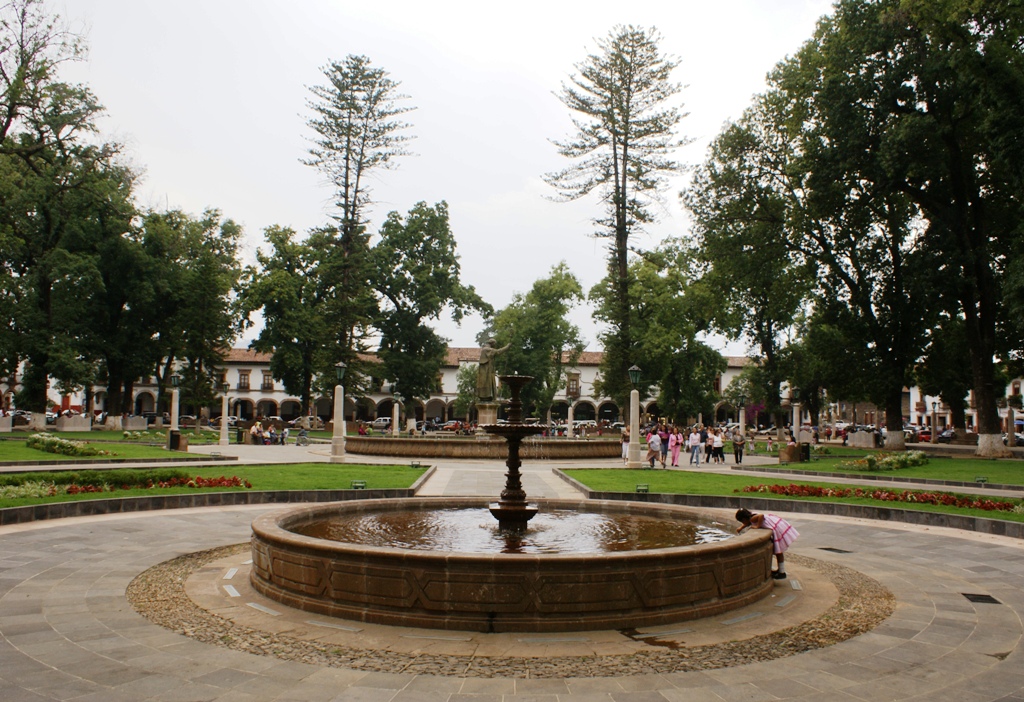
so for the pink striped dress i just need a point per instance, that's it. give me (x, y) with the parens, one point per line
(783, 533)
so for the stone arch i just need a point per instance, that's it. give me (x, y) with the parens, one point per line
(266, 408)
(365, 409)
(436, 409)
(584, 410)
(323, 407)
(290, 409)
(144, 402)
(243, 409)
(559, 411)
(609, 412)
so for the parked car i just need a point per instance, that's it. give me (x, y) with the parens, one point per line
(924, 434)
(186, 420)
(1019, 441)
(232, 421)
(381, 423)
(946, 436)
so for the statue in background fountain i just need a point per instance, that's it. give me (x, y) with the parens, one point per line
(486, 388)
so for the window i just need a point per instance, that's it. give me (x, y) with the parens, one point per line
(268, 381)
(572, 387)
(243, 380)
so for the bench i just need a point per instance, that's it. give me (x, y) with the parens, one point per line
(415, 464)
(981, 479)
(358, 484)
(214, 454)
(643, 487)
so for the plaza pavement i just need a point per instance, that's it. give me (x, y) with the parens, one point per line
(68, 633)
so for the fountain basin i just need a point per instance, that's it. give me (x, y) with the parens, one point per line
(505, 591)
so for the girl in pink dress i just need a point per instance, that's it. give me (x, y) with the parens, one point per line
(783, 534)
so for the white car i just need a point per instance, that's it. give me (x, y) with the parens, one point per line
(381, 423)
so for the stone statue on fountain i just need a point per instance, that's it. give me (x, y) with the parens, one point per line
(486, 385)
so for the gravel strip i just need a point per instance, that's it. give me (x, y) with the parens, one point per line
(159, 595)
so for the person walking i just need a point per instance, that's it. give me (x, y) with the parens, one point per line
(695, 446)
(675, 443)
(653, 447)
(625, 445)
(718, 446)
(738, 444)
(663, 434)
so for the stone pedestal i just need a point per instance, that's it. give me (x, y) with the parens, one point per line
(487, 413)
(6, 424)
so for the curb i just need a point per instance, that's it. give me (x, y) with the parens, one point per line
(908, 516)
(125, 505)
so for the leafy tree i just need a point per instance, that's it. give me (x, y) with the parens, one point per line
(943, 373)
(61, 198)
(466, 384)
(753, 289)
(357, 119)
(625, 135)
(667, 320)
(544, 341)
(284, 287)
(417, 276)
(916, 99)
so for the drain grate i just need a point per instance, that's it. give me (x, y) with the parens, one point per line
(833, 550)
(983, 599)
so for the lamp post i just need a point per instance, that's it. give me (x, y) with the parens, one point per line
(338, 436)
(633, 453)
(935, 423)
(223, 414)
(175, 382)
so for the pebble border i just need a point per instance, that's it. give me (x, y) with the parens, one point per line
(158, 594)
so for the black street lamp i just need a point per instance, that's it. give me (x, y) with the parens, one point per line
(340, 368)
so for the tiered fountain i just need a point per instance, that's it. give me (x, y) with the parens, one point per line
(512, 510)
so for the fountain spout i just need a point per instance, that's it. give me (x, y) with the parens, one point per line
(511, 510)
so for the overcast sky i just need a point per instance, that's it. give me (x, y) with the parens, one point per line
(209, 97)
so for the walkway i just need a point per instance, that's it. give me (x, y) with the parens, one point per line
(67, 632)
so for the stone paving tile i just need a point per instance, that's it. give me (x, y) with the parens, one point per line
(926, 570)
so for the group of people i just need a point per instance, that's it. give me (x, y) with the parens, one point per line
(665, 444)
(269, 436)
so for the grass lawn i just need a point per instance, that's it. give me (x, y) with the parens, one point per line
(1006, 472)
(299, 476)
(693, 483)
(14, 450)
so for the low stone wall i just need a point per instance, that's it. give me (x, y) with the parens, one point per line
(493, 448)
(76, 423)
(861, 439)
(6, 424)
(134, 424)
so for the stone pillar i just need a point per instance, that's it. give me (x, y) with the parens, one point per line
(223, 420)
(395, 429)
(743, 421)
(569, 433)
(174, 410)
(1011, 427)
(633, 453)
(338, 435)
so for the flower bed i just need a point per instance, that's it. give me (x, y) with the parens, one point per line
(920, 497)
(888, 461)
(64, 447)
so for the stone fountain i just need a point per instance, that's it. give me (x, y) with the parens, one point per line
(381, 561)
(512, 511)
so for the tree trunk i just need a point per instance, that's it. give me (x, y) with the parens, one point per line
(895, 440)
